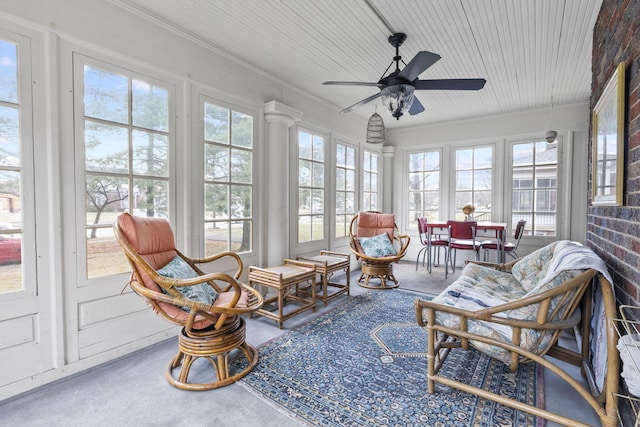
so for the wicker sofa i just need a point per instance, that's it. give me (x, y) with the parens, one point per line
(516, 312)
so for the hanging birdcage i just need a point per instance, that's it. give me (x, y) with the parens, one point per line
(375, 129)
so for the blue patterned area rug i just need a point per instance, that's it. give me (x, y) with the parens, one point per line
(364, 364)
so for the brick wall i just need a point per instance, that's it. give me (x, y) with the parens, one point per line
(614, 231)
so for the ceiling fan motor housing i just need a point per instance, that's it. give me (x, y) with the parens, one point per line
(397, 39)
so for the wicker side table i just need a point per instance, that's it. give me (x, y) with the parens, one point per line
(328, 263)
(285, 280)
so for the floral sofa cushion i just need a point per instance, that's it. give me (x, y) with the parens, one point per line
(480, 287)
(533, 267)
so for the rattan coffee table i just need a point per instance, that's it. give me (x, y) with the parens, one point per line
(328, 263)
(288, 281)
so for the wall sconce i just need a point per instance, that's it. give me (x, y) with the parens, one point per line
(551, 134)
(397, 99)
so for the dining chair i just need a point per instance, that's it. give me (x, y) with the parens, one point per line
(430, 240)
(462, 235)
(509, 247)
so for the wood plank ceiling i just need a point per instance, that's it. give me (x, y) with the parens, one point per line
(529, 51)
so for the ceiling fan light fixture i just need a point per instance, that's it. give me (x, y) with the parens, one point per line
(397, 99)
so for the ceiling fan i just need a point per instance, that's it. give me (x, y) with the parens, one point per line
(396, 89)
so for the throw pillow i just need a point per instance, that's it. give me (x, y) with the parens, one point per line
(180, 269)
(377, 246)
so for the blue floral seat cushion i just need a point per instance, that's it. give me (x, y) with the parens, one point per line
(377, 246)
(178, 268)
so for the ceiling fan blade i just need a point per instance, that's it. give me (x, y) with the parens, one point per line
(416, 107)
(352, 83)
(449, 84)
(361, 103)
(418, 64)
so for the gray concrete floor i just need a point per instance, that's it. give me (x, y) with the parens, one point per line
(132, 390)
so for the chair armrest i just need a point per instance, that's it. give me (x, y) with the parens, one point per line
(579, 283)
(404, 241)
(216, 257)
(169, 283)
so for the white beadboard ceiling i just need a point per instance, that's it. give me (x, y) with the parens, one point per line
(529, 51)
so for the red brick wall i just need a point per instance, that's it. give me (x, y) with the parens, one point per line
(614, 231)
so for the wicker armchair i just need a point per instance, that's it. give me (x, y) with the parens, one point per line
(209, 330)
(525, 328)
(369, 224)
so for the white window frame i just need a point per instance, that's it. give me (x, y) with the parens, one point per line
(561, 179)
(27, 170)
(334, 180)
(455, 210)
(412, 223)
(79, 60)
(318, 243)
(203, 97)
(377, 175)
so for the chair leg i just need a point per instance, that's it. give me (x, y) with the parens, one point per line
(422, 251)
(446, 261)
(453, 265)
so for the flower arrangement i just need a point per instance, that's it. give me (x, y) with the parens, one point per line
(468, 211)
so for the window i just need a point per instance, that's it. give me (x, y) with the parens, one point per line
(370, 177)
(473, 181)
(345, 188)
(535, 187)
(11, 160)
(310, 187)
(125, 130)
(228, 179)
(424, 186)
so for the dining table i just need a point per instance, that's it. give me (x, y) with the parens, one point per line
(484, 230)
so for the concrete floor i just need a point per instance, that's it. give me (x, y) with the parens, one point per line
(132, 390)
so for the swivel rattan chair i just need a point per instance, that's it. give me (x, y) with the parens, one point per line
(370, 226)
(211, 330)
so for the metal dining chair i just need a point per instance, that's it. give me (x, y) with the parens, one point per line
(430, 240)
(509, 247)
(462, 235)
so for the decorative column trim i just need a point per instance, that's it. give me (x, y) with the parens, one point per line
(277, 112)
